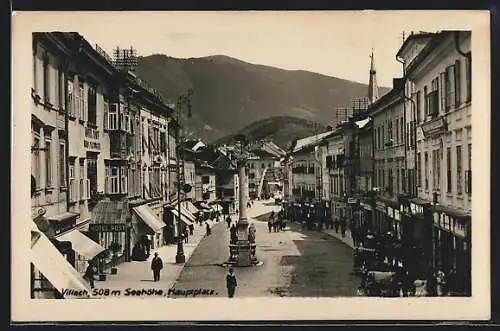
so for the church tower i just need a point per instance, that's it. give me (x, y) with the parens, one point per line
(372, 85)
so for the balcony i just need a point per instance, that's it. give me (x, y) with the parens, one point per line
(91, 133)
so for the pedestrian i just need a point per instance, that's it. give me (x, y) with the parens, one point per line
(186, 235)
(209, 230)
(147, 244)
(251, 233)
(228, 221)
(234, 234)
(156, 266)
(270, 225)
(90, 273)
(336, 224)
(191, 229)
(343, 226)
(231, 283)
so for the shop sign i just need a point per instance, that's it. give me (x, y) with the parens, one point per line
(102, 227)
(366, 206)
(390, 212)
(63, 226)
(416, 209)
(436, 219)
(93, 145)
(380, 206)
(446, 221)
(397, 215)
(459, 229)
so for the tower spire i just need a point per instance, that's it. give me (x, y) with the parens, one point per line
(372, 84)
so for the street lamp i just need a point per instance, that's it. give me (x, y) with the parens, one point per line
(184, 100)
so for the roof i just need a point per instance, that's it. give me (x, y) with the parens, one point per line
(110, 211)
(413, 36)
(427, 50)
(311, 141)
(361, 124)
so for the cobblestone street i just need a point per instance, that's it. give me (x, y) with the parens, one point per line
(294, 263)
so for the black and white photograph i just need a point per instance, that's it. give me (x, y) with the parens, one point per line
(314, 164)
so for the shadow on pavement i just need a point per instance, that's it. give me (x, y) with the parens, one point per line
(323, 269)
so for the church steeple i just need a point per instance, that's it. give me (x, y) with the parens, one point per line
(372, 85)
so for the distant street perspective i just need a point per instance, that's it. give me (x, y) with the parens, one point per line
(155, 176)
(295, 262)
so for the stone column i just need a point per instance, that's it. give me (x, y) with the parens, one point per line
(244, 255)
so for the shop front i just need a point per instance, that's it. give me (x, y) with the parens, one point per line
(54, 256)
(366, 213)
(451, 246)
(173, 220)
(111, 227)
(380, 217)
(147, 227)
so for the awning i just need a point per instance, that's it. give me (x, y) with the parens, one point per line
(191, 207)
(51, 263)
(148, 217)
(183, 217)
(63, 216)
(82, 244)
(216, 207)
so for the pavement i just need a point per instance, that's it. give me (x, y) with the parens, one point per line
(135, 276)
(138, 274)
(294, 262)
(346, 240)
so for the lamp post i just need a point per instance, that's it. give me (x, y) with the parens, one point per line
(181, 102)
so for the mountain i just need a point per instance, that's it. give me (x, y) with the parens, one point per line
(280, 129)
(230, 94)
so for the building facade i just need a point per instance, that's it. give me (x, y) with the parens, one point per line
(389, 159)
(441, 76)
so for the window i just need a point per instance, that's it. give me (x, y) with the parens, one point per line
(35, 71)
(402, 129)
(437, 169)
(419, 106)
(426, 104)
(124, 180)
(397, 181)
(448, 169)
(112, 180)
(46, 79)
(442, 91)
(468, 176)
(73, 183)
(383, 138)
(81, 101)
(205, 179)
(113, 116)
(60, 87)
(419, 168)
(83, 183)
(450, 87)
(426, 170)
(378, 138)
(48, 164)
(431, 99)
(458, 83)
(92, 105)
(397, 131)
(62, 165)
(105, 114)
(35, 160)
(71, 99)
(468, 76)
(459, 169)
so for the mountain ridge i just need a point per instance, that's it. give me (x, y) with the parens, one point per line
(230, 94)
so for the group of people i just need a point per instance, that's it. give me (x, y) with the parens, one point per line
(276, 222)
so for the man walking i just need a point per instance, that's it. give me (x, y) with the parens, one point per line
(90, 272)
(156, 266)
(231, 283)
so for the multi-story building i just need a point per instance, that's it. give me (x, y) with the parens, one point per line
(205, 186)
(441, 77)
(389, 158)
(335, 165)
(94, 172)
(265, 160)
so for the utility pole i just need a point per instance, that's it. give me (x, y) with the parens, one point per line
(183, 100)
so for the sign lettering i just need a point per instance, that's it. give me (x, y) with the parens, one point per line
(102, 227)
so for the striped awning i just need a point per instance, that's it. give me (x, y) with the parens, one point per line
(148, 217)
(82, 244)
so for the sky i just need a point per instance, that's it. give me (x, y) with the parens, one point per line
(334, 43)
